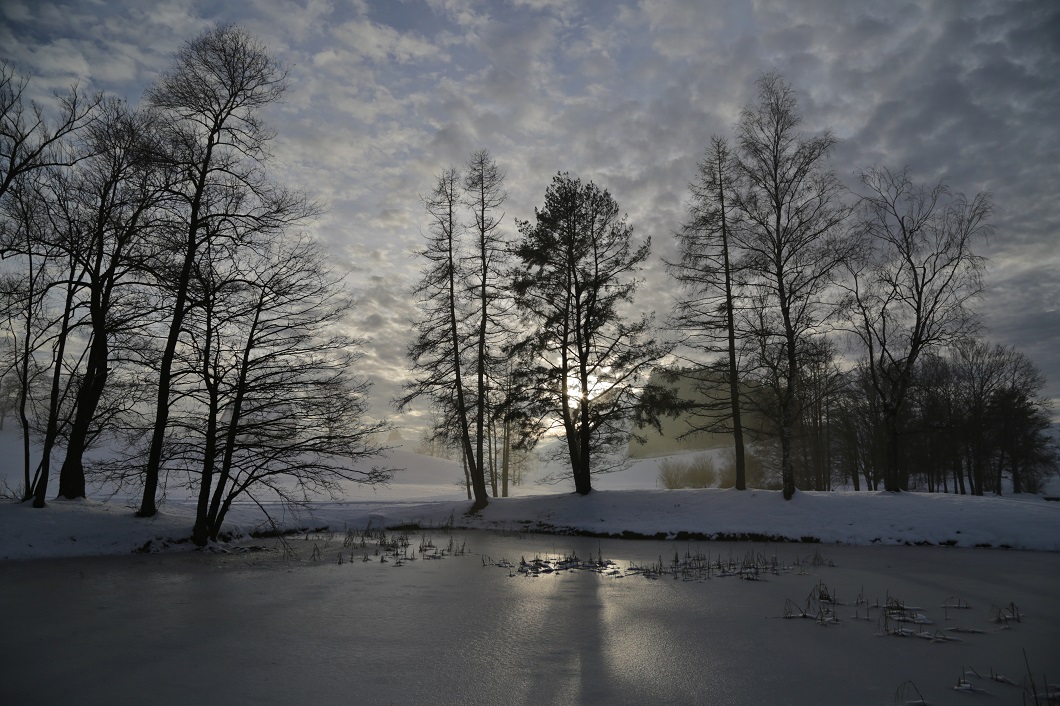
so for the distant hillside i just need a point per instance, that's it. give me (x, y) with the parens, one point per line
(678, 433)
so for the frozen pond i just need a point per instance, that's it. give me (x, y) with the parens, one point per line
(468, 629)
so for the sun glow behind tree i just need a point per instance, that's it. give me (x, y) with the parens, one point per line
(582, 362)
(596, 387)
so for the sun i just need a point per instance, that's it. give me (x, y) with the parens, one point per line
(575, 394)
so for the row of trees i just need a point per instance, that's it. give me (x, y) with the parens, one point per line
(826, 312)
(160, 291)
(817, 312)
(973, 416)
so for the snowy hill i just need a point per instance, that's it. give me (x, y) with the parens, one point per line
(429, 492)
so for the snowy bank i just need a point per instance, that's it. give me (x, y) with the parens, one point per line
(831, 517)
(428, 492)
(79, 528)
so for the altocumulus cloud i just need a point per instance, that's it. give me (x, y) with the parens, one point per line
(383, 95)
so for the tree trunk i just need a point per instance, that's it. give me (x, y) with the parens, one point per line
(787, 468)
(165, 378)
(582, 476)
(998, 475)
(165, 374)
(93, 382)
(730, 326)
(890, 471)
(852, 450)
(789, 395)
(506, 456)
(474, 463)
(200, 532)
(787, 465)
(582, 479)
(467, 472)
(52, 430)
(23, 419)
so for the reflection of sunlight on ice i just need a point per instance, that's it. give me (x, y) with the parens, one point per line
(638, 647)
(598, 631)
(538, 613)
(634, 646)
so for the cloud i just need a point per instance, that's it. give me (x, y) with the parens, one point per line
(385, 94)
(370, 41)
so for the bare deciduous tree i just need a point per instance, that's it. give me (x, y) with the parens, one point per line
(29, 140)
(484, 195)
(276, 407)
(708, 270)
(32, 141)
(791, 208)
(444, 330)
(109, 203)
(209, 106)
(462, 307)
(47, 246)
(910, 284)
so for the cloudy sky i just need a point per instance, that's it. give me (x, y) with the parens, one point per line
(385, 93)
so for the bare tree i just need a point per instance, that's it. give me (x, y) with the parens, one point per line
(910, 284)
(28, 139)
(59, 241)
(932, 419)
(444, 330)
(9, 388)
(276, 407)
(974, 414)
(1021, 422)
(820, 387)
(484, 195)
(31, 141)
(34, 321)
(708, 270)
(108, 203)
(24, 309)
(790, 208)
(462, 302)
(209, 106)
(995, 387)
(856, 414)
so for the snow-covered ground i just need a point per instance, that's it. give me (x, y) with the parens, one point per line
(429, 492)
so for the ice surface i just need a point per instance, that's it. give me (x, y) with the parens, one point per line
(255, 628)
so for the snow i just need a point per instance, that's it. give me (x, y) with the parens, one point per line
(429, 492)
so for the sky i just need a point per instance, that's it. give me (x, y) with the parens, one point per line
(385, 94)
